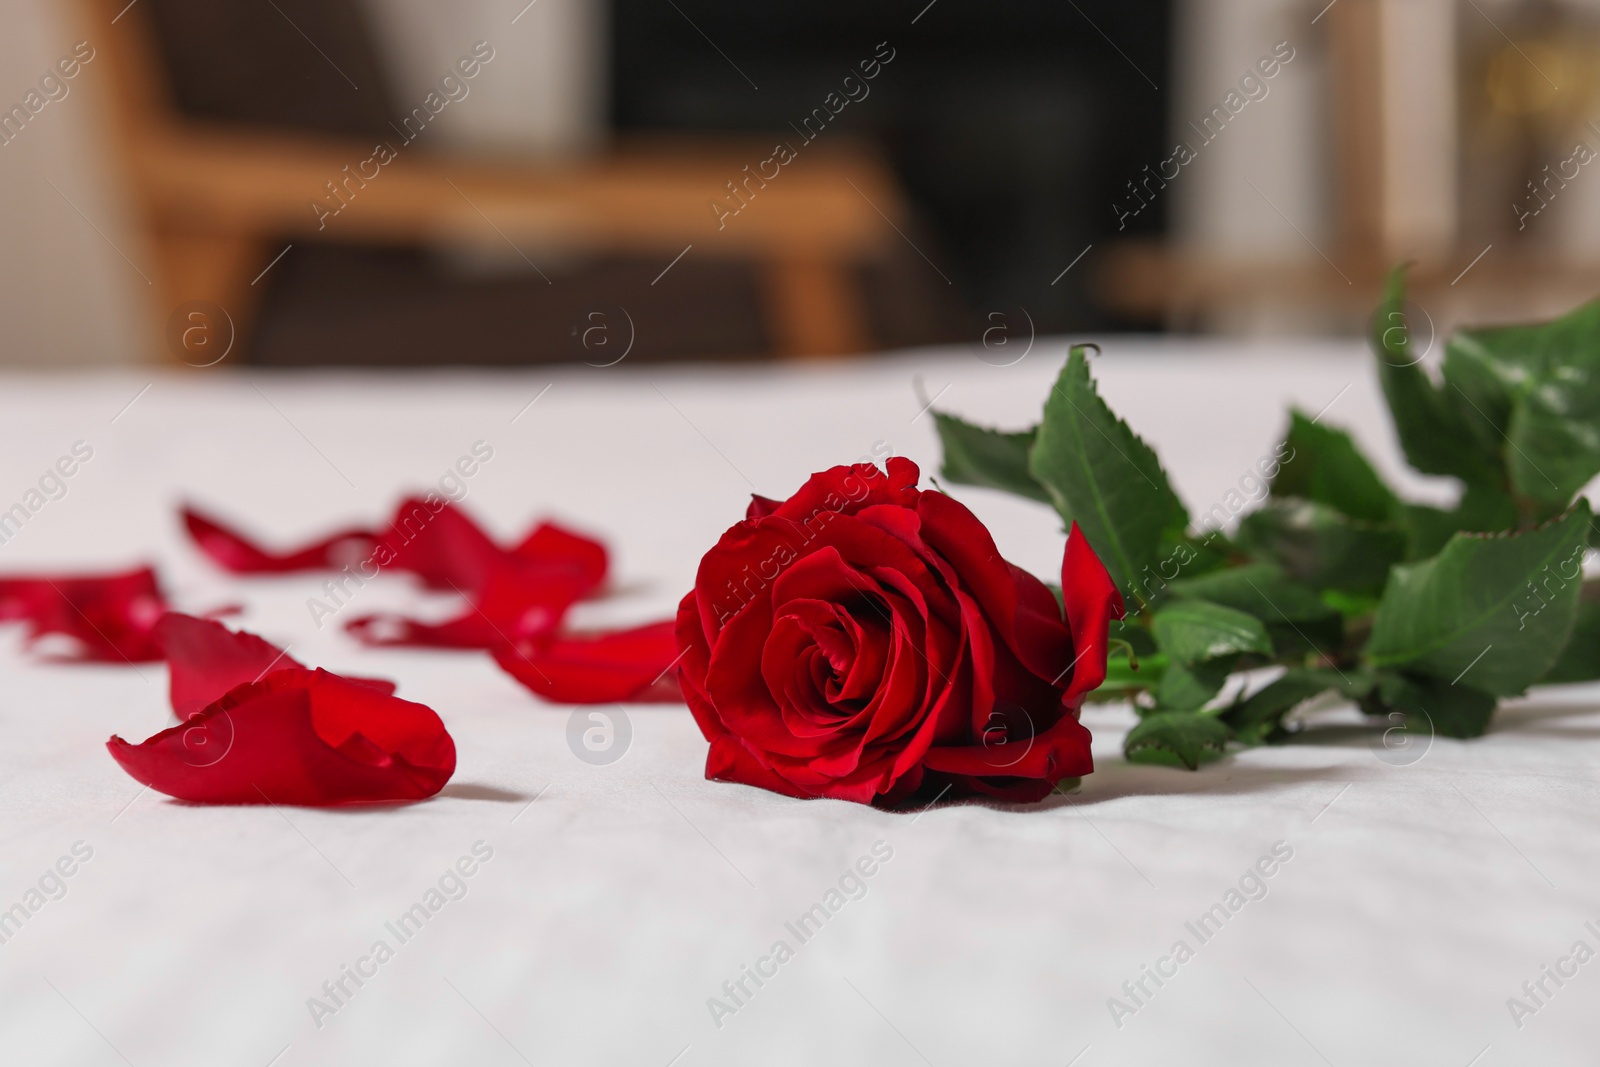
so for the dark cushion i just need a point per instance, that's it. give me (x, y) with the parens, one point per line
(306, 65)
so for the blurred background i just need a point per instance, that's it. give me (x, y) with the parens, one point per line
(407, 182)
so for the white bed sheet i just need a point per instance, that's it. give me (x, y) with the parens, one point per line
(1418, 898)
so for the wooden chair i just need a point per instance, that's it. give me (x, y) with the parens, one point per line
(216, 202)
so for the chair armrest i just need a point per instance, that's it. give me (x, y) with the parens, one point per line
(647, 195)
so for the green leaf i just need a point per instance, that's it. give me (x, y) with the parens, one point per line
(976, 455)
(1259, 717)
(1499, 606)
(1176, 737)
(1325, 465)
(1101, 475)
(1535, 392)
(1580, 659)
(1322, 548)
(1189, 688)
(1482, 510)
(1433, 430)
(1260, 589)
(1190, 631)
(1296, 617)
(1451, 710)
(1200, 555)
(1427, 530)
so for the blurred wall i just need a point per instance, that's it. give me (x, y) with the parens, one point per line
(68, 294)
(543, 94)
(1278, 142)
(1265, 189)
(1568, 229)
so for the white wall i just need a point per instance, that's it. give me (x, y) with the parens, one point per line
(1266, 188)
(543, 94)
(1277, 143)
(66, 294)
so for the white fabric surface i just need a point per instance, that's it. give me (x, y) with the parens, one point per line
(1418, 899)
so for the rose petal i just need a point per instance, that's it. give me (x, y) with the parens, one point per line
(1021, 608)
(761, 506)
(205, 660)
(523, 598)
(750, 554)
(1060, 752)
(297, 737)
(730, 761)
(1092, 601)
(109, 617)
(621, 666)
(556, 549)
(234, 552)
(468, 631)
(694, 660)
(849, 489)
(513, 596)
(427, 536)
(441, 545)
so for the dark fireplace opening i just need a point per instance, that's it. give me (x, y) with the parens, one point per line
(1014, 127)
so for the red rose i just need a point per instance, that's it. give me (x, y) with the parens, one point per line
(864, 640)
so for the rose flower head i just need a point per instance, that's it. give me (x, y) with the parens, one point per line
(864, 640)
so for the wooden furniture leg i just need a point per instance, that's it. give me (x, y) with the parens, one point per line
(200, 272)
(815, 307)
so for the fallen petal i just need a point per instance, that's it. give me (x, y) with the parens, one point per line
(298, 736)
(108, 617)
(620, 666)
(206, 659)
(234, 552)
